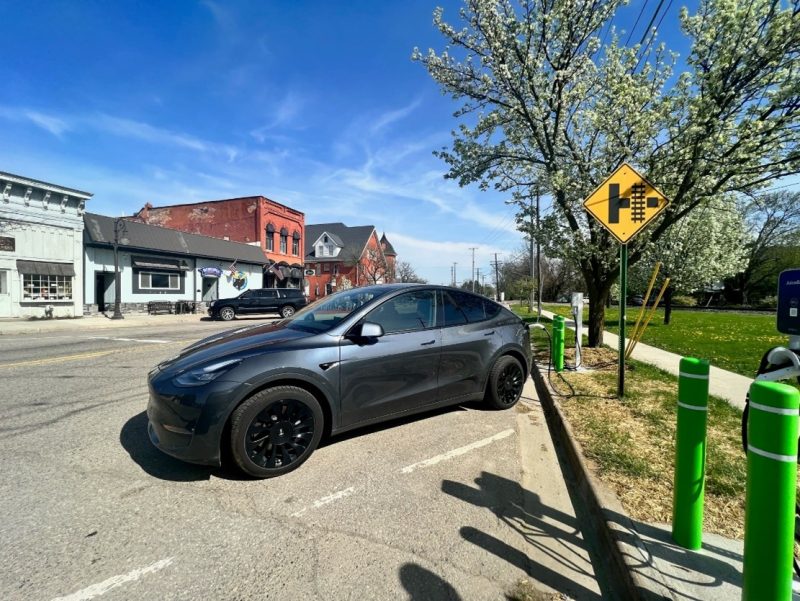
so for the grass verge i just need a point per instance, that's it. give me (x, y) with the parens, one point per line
(630, 442)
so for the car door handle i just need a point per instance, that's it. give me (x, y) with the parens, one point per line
(489, 333)
(427, 343)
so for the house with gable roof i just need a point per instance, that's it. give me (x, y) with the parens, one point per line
(340, 257)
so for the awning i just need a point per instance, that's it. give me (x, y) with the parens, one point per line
(158, 263)
(45, 268)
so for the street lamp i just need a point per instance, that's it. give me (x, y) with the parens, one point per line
(119, 229)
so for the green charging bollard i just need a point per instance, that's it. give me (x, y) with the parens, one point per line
(558, 343)
(690, 453)
(771, 480)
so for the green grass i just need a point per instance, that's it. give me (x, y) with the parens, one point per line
(731, 341)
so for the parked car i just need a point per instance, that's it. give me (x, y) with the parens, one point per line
(267, 392)
(284, 301)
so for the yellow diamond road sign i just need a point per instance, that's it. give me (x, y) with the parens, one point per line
(625, 203)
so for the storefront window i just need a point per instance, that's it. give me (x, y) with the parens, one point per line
(152, 280)
(46, 287)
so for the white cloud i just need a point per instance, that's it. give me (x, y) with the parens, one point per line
(50, 123)
(283, 114)
(389, 117)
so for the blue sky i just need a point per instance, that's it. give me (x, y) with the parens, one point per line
(315, 104)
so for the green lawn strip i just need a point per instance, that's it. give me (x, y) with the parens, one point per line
(631, 443)
(730, 341)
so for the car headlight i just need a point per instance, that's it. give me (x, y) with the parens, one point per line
(203, 375)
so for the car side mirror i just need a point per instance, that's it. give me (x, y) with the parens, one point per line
(366, 329)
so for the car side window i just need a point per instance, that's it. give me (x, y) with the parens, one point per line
(408, 312)
(247, 294)
(475, 307)
(267, 294)
(451, 312)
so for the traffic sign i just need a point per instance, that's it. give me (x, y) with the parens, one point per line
(625, 203)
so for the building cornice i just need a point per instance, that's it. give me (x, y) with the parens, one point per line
(26, 181)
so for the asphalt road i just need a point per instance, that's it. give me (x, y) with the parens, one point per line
(426, 508)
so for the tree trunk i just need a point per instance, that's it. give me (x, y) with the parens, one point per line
(597, 314)
(668, 304)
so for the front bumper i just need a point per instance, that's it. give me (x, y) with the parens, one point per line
(187, 423)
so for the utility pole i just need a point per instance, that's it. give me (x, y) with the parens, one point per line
(538, 262)
(533, 269)
(455, 280)
(496, 278)
(479, 280)
(473, 249)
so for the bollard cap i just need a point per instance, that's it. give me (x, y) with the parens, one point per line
(696, 367)
(559, 318)
(775, 394)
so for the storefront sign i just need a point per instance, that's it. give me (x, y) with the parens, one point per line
(210, 272)
(7, 244)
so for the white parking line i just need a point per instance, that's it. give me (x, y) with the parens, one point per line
(456, 452)
(325, 500)
(95, 590)
(150, 340)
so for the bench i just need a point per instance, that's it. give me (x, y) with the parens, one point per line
(156, 307)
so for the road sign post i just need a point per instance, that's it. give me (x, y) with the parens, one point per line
(624, 204)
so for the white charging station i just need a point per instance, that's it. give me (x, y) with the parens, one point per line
(577, 315)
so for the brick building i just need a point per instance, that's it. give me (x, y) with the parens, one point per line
(341, 257)
(257, 220)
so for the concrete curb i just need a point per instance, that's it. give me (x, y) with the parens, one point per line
(631, 563)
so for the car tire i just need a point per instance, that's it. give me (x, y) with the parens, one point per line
(275, 431)
(226, 313)
(287, 311)
(506, 380)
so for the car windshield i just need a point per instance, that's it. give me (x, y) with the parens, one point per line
(323, 314)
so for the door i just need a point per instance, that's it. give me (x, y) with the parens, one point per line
(5, 293)
(103, 290)
(468, 343)
(398, 371)
(210, 289)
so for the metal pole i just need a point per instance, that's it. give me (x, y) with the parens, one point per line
(117, 279)
(496, 278)
(538, 263)
(769, 518)
(690, 453)
(623, 293)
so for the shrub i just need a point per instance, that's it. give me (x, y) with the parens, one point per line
(768, 302)
(684, 301)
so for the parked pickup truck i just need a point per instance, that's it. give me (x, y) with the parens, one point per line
(284, 301)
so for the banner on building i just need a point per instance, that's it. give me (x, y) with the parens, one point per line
(210, 272)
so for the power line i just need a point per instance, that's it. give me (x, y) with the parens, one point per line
(641, 12)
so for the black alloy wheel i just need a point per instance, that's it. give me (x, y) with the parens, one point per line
(505, 383)
(275, 431)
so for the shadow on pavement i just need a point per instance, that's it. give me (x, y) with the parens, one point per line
(554, 534)
(134, 439)
(424, 585)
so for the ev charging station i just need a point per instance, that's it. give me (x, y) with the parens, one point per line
(577, 315)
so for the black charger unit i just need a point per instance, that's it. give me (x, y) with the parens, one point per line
(789, 302)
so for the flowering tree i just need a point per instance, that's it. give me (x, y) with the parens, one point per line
(703, 248)
(544, 103)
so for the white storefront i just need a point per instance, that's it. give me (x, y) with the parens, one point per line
(161, 264)
(41, 248)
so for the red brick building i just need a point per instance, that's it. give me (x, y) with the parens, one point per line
(340, 257)
(276, 228)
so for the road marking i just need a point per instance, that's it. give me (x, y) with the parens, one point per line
(58, 359)
(457, 452)
(95, 590)
(325, 500)
(150, 340)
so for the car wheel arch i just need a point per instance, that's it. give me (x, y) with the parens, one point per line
(510, 352)
(309, 387)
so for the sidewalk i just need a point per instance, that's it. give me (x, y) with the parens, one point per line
(14, 327)
(723, 384)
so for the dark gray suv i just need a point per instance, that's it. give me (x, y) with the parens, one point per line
(284, 301)
(265, 394)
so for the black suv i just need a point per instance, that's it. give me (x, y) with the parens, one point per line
(259, 300)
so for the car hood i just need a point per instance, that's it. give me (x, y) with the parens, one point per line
(263, 337)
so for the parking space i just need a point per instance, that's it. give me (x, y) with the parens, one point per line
(433, 507)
